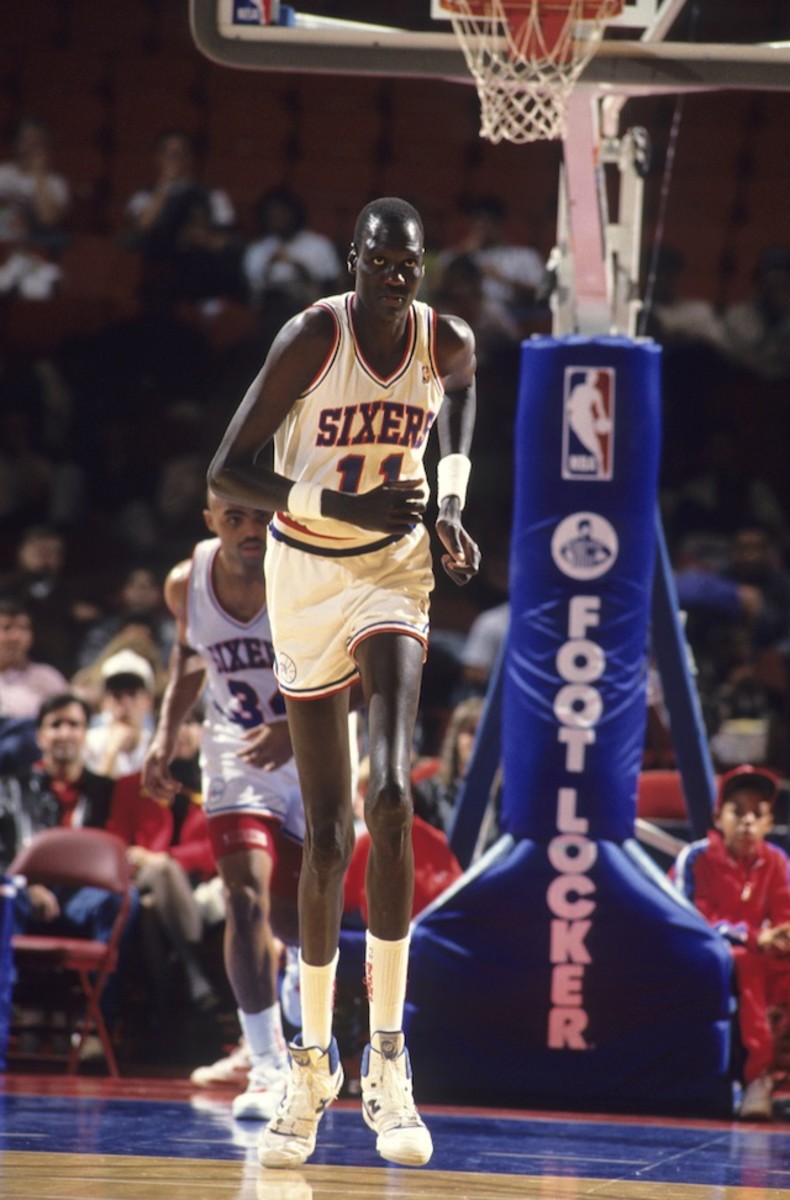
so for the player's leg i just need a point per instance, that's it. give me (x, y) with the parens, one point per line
(391, 670)
(319, 735)
(251, 962)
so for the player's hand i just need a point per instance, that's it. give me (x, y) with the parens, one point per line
(267, 747)
(462, 560)
(156, 777)
(393, 508)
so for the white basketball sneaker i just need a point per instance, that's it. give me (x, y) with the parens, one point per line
(387, 1103)
(233, 1068)
(265, 1089)
(313, 1082)
(757, 1102)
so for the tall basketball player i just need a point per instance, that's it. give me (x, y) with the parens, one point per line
(250, 784)
(348, 395)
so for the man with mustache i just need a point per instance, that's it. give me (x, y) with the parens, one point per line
(250, 786)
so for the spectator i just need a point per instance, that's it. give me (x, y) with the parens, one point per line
(139, 602)
(742, 711)
(170, 854)
(461, 291)
(722, 495)
(24, 684)
(756, 332)
(434, 796)
(185, 230)
(482, 646)
(118, 738)
(58, 609)
(755, 562)
(34, 203)
(511, 273)
(287, 265)
(739, 883)
(58, 790)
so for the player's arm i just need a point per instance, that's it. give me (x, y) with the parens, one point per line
(186, 677)
(293, 362)
(237, 471)
(455, 351)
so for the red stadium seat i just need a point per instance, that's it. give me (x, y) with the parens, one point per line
(76, 858)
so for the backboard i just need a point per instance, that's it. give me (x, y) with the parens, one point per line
(638, 55)
(655, 47)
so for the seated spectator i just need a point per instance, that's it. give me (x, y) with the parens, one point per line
(482, 647)
(170, 853)
(24, 684)
(287, 265)
(743, 713)
(748, 584)
(434, 796)
(139, 602)
(460, 291)
(185, 230)
(119, 736)
(60, 790)
(512, 274)
(756, 332)
(739, 882)
(59, 611)
(722, 495)
(34, 204)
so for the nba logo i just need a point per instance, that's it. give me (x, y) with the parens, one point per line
(254, 12)
(588, 423)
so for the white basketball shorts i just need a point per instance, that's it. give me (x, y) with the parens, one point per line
(322, 607)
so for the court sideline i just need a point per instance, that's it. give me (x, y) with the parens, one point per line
(89, 1138)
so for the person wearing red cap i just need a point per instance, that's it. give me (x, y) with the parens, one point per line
(739, 882)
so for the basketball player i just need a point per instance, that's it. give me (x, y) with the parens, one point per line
(348, 394)
(250, 785)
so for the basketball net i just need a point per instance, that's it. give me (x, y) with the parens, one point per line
(525, 57)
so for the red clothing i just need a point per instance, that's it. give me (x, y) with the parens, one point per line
(435, 868)
(738, 898)
(142, 821)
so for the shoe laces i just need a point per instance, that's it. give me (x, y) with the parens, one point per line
(307, 1092)
(393, 1091)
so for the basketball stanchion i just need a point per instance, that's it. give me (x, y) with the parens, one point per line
(525, 57)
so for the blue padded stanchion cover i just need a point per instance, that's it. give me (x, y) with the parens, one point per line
(569, 973)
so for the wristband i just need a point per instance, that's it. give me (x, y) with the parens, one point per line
(304, 500)
(452, 476)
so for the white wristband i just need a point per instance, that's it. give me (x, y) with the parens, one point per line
(304, 500)
(452, 476)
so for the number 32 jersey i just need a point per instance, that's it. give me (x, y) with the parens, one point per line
(241, 694)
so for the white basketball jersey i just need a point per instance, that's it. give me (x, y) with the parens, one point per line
(352, 429)
(241, 694)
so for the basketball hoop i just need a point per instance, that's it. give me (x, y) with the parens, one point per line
(525, 57)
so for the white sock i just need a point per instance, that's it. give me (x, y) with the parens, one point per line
(317, 986)
(386, 966)
(264, 1033)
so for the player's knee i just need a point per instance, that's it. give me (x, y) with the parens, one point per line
(246, 905)
(328, 848)
(388, 809)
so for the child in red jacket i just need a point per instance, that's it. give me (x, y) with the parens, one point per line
(739, 882)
